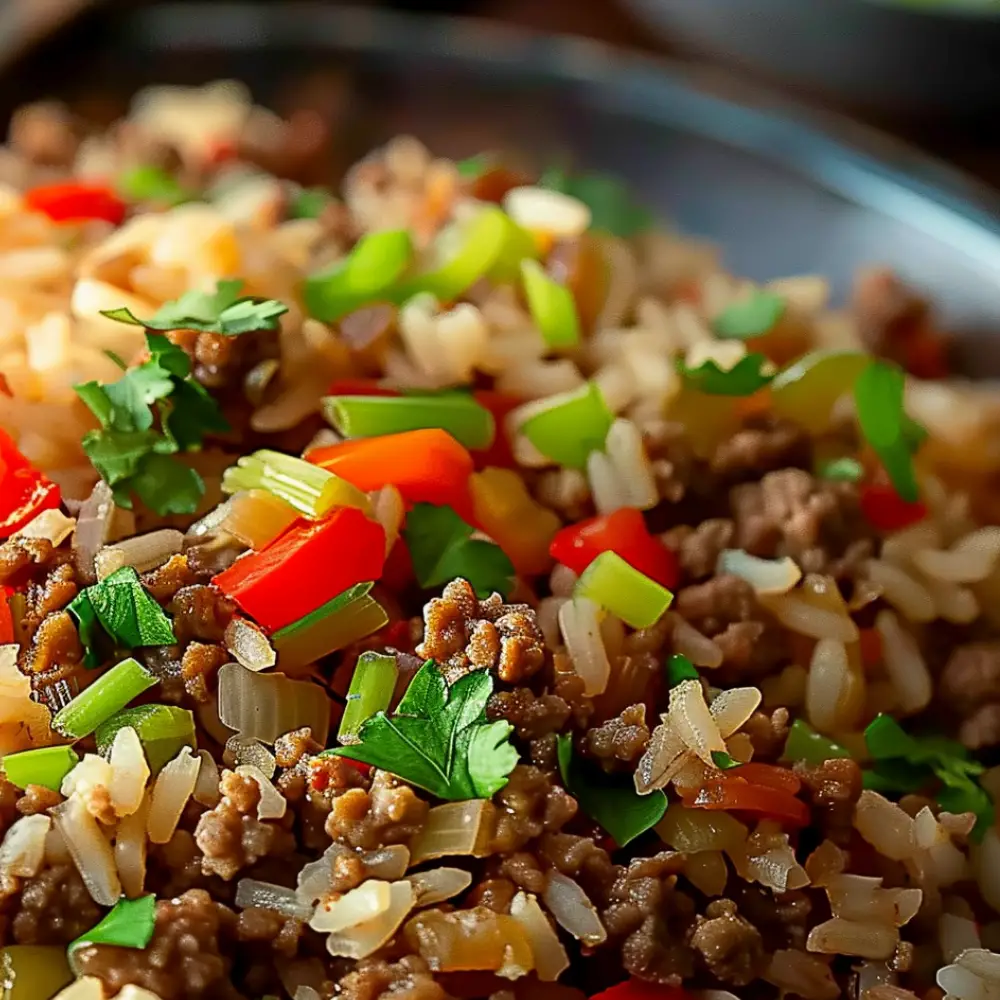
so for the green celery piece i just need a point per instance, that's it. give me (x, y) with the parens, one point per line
(552, 306)
(570, 426)
(805, 744)
(332, 607)
(110, 693)
(680, 668)
(372, 684)
(614, 585)
(152, 183)
(46, 766)
(162, 730)
(309, 203)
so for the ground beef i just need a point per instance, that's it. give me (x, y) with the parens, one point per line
(18, 553)
(463, 633)
(623, 738)
(55, 644)
(766, 444)
(888, 310)
(523, 869)
(37, 799)
(833, 787)
(200, 612)
(51, 594)
(183, 961)
(230, 835)
(970, 685)
(281, 933)
(698, 548)
(198, 664)
(9, 798)
(981, 728)
(782, 919)
(531, 715)
(768, 733)
(671, 457)
(176, 866)
(730, 946)
(55, 908)
(290, 749)
(165, 581)
(407, 979)
(528, 805)
(390, 812)
(495, 894)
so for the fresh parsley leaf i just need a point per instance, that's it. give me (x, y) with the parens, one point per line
(168, 486)
(752, 316)
(121, 606)
(842, 470)
(439, 738)
(117, 454)
(723, 761)
(190, 414)
(611, 206)
(441, 548)
(748, 375)
(609, 799)
(134, 394)
(152, 183)
(168, 355)
(130, 924)
(309, 203)
(223, 311)
(680, 668)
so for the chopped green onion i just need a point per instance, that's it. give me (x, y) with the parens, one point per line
(680, 668)
(345, 619)
(309, 489)
(552, 306)
(611, 206)
(749, 317)
(46, 766)
(518, 247)
(472, 166)
(110, 693)
(366, 274)
(617, 587)
(805, 744)
(842, 470)
(309, 203)
(568, 426)
(130, 924)
(723, 761)
(150, 183)
(807, 390)
(371, 689)
(162, 730)
(458, 413)
(749, 374)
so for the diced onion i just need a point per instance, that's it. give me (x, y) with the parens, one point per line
(173, 787)
(142, 553)
(389, 863)
(369, 900)
(249, 645)
(451, 829)
(89, 849)
(315, 879)
(693, 722)
(579, 622)
(272, 804)
(206, 788)
(550, 956)
(974, 975)
(664, 756)
(732, 707)
(837, 936)
(23, 849)
(573, 910)
(766, 576)
(256, 517)
(240, 750)
(268, 896)
(438, 884)
(129, 772)
(360, 940)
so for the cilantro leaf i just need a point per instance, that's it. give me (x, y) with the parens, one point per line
(168, 355)
(439, 738)
(126, 612)
(611, 206)
(680, 668)
(842, 470)
(609, 799)
(190, 414)
(168, 486)
(133, 395)
(223, 311)
(723, 761)
(309, 203)
(748, 375)
(117, 454)
(441, 548)
(129, 924)
(749, 317)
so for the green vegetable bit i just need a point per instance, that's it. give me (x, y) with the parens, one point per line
(46, 766)
(750, 317)
(609, 799)
(110, 693)
(617, 587)
(439, 739)
(611, 206)
(680, 668)
(312, 491)
(151, 183)
(162, 730)
(805, 744)
(723, 761)
(372, 684)
(746, 377)
(842, 470)
(130, 924)
(568, 426)
(552, 306)
(473, 166)
(309, 203)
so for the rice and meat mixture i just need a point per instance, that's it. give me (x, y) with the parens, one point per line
(459, 588)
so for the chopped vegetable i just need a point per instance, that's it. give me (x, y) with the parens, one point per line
(552, 306)
(842, 470)
(886, 510)
(723, 761)
(472, 166)
(162, 730)
(120, 604)
(458, 413)
(224, 311)
(623, 532)
(617, 587)
(805, 744)
(331, 555)
(609, 799)
(312, 491)
(152, 183)
(255, 517)
(24, 491)
(110, 693)
(6, 616)
(372, 685)
(309, 203)
(679, 669)
(366, 274)
(748, 317)
(46, 766)
(130, 924)
(72, 201)
(807, 390)
(748, 790)
(438, 738)
(442, 549)
(568, 426)
(611, 206)
(749, 374)
(638, 989)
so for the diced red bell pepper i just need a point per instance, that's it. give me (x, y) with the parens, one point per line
(74, 202)
(398, 572)
(6, 619)
(499, 454)
(625, 533)
(24, 491)
(637, 989)
(732, 792)
(305, 567)
(359, 387)
(886, 510)
(871, 647)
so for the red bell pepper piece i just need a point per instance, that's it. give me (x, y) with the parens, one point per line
(398, 572)
(74, 202)
(623, 532)
(24, 491)
(766, 794)
(886, 510)
(359, 387)
(6, 619)
(638, 989)
(305, 567)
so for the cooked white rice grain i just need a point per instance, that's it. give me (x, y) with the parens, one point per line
(905, 664)
(902, 590)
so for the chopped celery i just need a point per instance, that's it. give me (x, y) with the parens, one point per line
(110, 693)
(617, 587)
(33, 971)
(46, 766)
(552, 306)
(371, 689)
(309, 489)
(365, 275)
(518, 246)
(162, 729)
(458, 413)
(805, 744)
(568, 426)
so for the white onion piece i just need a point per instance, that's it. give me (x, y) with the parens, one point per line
(88, 988)
(52, 525)
(439, 884)
(454, 828)
(56, 851)
(731, 708)
(315, 879)
(368, 901)
(838, 936)
(550, 956)
(142, 553)
(206, 787)
(388, 509)
(90, 851)
(698, 648)
(130, 850)
(580, 624)
(363, 939)
(249, 645)
(766, 576)
(974, 975)
(664, 757)
(23, 849)
(389, 863)
(129, 772)
(573, 910)
(957, 934)
(268, 896)
(692, 721)
(272, 804)
(171, 791)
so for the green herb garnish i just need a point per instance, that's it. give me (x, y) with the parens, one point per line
(805, 744)
(442, 548)
(121, 606)
(223, 311)
(309, 203)
(95, 704)
(612, 208)
(162, 730)
(150, 183)
(474, 166)
(749, 374)
(130, 924)
(723, 761)
(609, 799)
(842, 470)
(752, 316)
(439, 738)
(680, 668)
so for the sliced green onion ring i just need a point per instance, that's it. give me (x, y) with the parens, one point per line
(46, 766)
(110, 693)
(552, 306)
(162, 730)
(622, 590)
(372, 684)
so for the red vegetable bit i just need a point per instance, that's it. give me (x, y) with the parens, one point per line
(24, 491)
(769, 776)
(397, 635)
(871, 647)
(74, 202)
(359, 387)
(398, 572)
(220, 151)
(500, 453)
(6, 619)
(925, 354)
(637, 989)
(5, 386)
(305, 567)
(886, 510)
(736, 793)
(623, 532)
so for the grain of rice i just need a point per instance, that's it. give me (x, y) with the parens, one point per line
(548, 620)
(986, 860)
(904, 663)
(885, 826)
(89, 849)
(572, 909)
(142, 553)
(957, 934)
(537, 379)
(579, 622)
(129, 772)
(955, 604)
(838, 936)
(206, 788)
(130, 850)
(272, 804)
(974, 975)
(698, 648)
(803, 975)
(23, 849)
(899, 547)
(805, 618)
(835, 692)
(171, 791)
(902, 590)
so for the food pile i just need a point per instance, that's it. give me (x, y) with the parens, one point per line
(459, 587)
